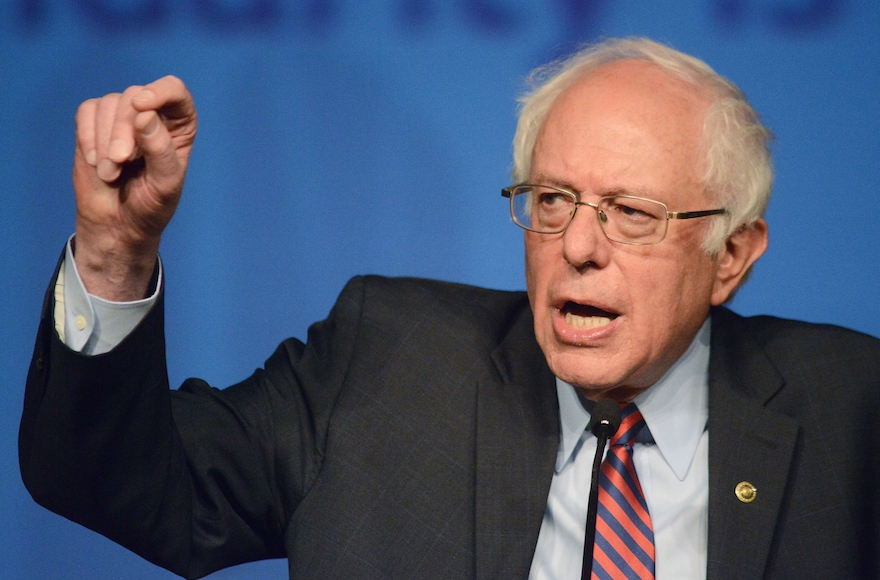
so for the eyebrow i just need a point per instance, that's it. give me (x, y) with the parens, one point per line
(541, 178)
(547, 180)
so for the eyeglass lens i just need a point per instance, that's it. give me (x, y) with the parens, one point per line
(623, 218)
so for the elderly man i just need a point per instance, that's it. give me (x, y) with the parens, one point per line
(431, 430)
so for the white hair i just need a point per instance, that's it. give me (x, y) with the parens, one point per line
(738, 170)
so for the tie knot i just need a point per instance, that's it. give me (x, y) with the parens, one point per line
(630, 424)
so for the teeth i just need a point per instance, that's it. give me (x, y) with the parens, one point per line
(586, 322)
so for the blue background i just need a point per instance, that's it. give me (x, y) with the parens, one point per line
(340, 137)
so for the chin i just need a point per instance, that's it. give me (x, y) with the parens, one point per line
(582, 370)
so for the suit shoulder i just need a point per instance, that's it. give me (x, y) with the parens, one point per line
(806, 343)
(775, 328)
(482, 313)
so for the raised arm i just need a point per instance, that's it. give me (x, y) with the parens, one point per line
(132, 150)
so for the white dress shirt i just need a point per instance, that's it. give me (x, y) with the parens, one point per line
(673, 472)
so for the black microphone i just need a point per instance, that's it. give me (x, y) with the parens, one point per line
(604, 422)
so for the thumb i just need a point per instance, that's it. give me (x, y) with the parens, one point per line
(162, 166)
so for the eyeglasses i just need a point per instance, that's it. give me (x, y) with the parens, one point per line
(624, 218)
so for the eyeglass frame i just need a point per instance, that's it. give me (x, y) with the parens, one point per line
(674, 215)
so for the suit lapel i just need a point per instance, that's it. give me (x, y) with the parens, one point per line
(518, 436)
(517, 439)
(749, 445)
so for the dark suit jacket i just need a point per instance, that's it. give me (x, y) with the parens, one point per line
(414, 436)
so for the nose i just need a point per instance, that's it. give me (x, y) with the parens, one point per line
(583, 241)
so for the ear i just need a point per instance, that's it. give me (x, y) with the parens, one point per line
(741, 250)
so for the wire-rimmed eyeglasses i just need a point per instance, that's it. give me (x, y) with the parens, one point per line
(624, 218)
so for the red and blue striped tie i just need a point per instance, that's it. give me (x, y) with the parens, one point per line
(624, 537)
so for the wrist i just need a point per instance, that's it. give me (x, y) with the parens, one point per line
(113, 270)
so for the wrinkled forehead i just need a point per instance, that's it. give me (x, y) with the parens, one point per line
(628, 117)
(634, 92)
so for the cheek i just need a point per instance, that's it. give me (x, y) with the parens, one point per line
(651, 294)
(539, 273)
(695, 298)
(671, 292)
(538, 262)
(530, 276)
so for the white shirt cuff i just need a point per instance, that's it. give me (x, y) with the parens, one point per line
(92, 325)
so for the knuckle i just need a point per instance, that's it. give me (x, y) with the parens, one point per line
(86, 109)
(175, 85)
(132, 91)
(109, 101)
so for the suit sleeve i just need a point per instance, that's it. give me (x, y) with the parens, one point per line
(193, 480)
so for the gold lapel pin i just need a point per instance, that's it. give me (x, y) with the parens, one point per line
(746, 492)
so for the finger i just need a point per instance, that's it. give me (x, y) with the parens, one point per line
(168, 95)
(160, 158)
(121, 147)
(85, 130)
(105, 117)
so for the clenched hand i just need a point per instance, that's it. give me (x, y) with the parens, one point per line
(132, 150)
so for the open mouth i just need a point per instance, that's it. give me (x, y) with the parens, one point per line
(585, 317)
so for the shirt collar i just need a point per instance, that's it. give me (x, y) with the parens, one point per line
(675, 409)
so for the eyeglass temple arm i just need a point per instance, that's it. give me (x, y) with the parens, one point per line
(686, 215)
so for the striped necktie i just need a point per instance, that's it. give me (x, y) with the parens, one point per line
(624, 537)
